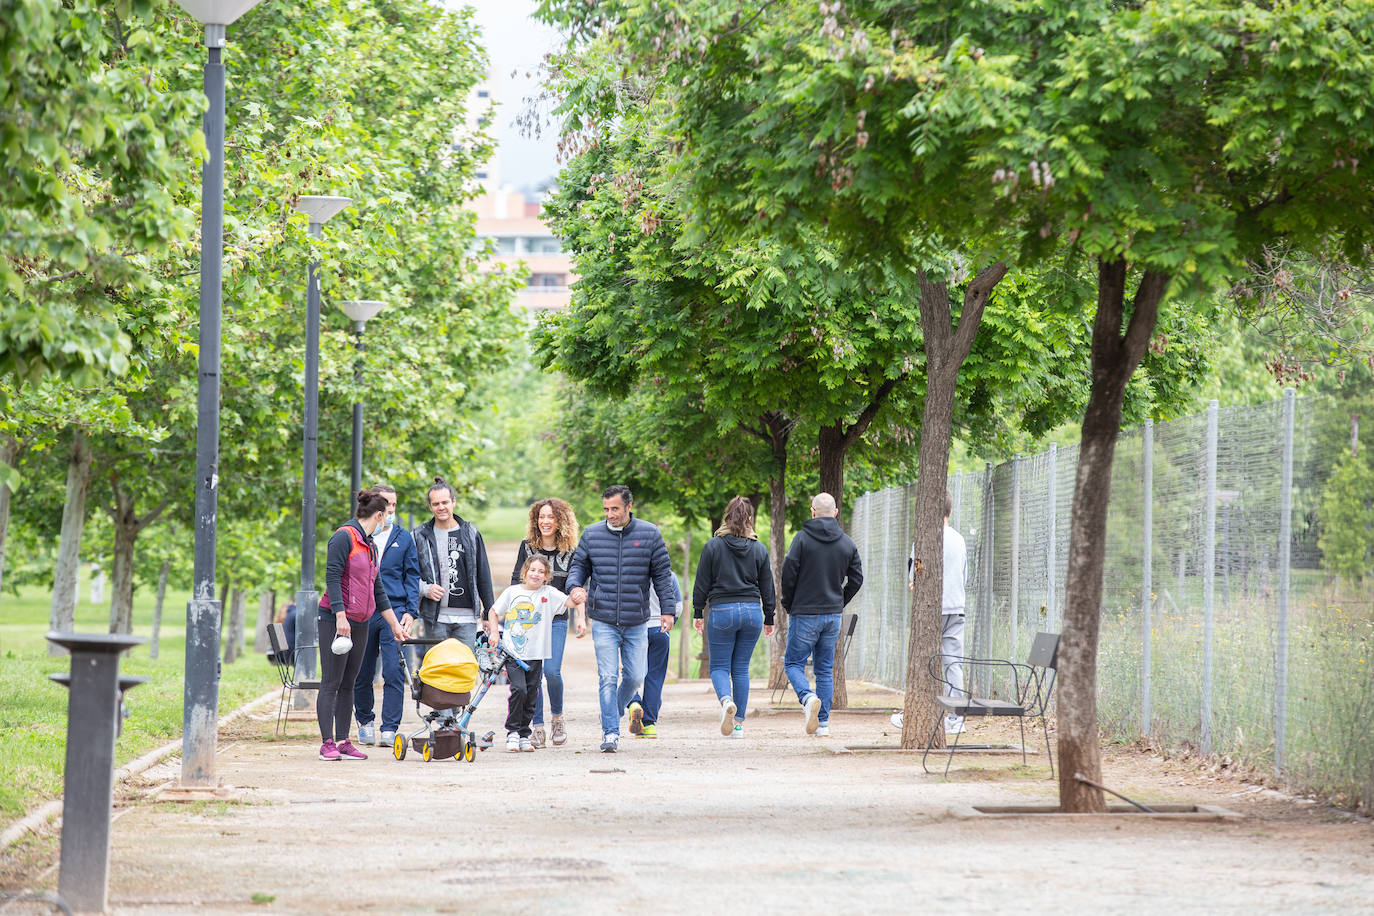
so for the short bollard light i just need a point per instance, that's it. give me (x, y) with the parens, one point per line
(94, 704)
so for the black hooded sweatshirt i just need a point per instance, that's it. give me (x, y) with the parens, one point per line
(733, 568)
(822, 571)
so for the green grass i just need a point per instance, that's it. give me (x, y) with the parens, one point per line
(501, 523)
(33, 715)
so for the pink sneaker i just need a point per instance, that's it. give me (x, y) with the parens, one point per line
(348, 752)
(329, 751)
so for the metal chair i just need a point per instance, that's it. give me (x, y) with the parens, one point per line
(284, 660)
(1031, 685)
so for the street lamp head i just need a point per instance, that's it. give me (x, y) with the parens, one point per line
(359, 311)
(320, 209)
(215, 15)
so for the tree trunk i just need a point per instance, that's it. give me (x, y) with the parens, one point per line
(834, 442)
(9, 454)
(62, 616)
(704, 656)
(685, 640)
(122, 571)
(779, 430)
(267, 602)
(238, 614)
(128, 524)
(157, 608)
(946, 349)
(1114, 358)
(833, 445)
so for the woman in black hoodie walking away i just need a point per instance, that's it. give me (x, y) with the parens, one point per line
(735, 579)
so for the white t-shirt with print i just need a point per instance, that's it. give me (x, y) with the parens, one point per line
(526, 615)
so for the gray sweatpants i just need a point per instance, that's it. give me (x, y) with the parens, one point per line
(952, 643)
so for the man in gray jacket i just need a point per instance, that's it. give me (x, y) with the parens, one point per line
(821, 574)
(616, 564)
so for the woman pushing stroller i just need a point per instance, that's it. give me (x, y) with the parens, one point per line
(526, 613)
(352, 595)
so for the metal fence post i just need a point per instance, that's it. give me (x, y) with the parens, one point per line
(1146, 584)
(985, 615)
(1209, 563)
(1285, 548)
(1015, 598)
(1050, 615)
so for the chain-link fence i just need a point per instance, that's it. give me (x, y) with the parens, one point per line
(1233, 638)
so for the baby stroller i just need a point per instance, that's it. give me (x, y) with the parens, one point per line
(444, 683)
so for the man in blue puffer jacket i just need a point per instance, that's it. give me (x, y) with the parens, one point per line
(615, 565)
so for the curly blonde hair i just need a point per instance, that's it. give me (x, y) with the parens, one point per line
(565, 525)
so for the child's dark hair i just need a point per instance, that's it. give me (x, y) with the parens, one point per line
(531, 560)
(370, 502)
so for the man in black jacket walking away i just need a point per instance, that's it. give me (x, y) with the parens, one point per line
(821, 574)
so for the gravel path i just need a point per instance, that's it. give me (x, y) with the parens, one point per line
(693, 823)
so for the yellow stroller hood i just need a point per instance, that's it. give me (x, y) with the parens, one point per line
(450, 666)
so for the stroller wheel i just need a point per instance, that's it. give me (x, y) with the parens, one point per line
(428, 753)
(469, 752)
(398, 747)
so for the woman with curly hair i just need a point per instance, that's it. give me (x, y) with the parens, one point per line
(551, 533)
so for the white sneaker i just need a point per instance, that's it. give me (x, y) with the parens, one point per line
(388, 739)
(513, 741)
(954, 725)
(737, 731)
(812, 708)
(822, 731)
(527, 745)
(367, 734)
(610, 743)
(727, 716)
(895, 719)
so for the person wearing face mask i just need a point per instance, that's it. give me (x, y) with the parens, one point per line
(399, 573)
(552, 534)
(353, 596)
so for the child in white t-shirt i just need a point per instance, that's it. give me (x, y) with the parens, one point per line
(526, 613)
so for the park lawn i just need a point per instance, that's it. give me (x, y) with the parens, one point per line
(33, 716)
(502, 523)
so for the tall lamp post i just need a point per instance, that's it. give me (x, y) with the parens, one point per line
(318, 210)
(201, 696)
(359, 312)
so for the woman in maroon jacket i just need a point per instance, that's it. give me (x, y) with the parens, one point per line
(353, 593)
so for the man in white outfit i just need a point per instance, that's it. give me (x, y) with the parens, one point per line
(951, 610)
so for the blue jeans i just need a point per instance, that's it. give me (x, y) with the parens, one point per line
(465, 633)
(732, 631)
(380, 639)
(553, 674)
(617, 648)
(656, 671)
(813, 636)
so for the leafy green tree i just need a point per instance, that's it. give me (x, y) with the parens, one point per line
(1347, 519)
(324, 99)
(1166, 142)
(96, 141)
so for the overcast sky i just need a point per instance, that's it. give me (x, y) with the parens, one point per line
(516, 42)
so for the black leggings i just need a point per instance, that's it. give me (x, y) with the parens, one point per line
(524, 690)
(334, 707)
